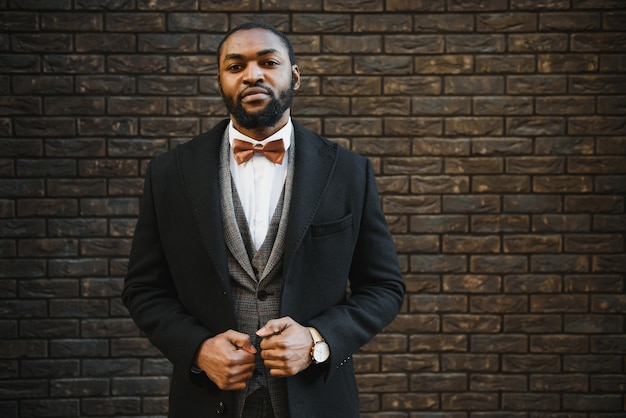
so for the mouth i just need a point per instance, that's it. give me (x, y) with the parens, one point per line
(254, 94)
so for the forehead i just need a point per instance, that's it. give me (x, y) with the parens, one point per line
(252, 41)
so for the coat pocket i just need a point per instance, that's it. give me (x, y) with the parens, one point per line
(333, 227)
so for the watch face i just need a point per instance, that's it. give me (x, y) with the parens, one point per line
(321, 352)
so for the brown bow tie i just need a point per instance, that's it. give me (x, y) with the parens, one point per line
(273, 150)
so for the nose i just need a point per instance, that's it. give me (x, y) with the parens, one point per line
(253, 74)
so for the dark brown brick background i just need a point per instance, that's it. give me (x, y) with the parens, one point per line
(498, 132)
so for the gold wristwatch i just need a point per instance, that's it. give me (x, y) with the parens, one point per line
(320, 350)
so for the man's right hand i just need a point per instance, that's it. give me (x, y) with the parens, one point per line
(227, 359)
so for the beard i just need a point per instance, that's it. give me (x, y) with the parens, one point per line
(266, 117)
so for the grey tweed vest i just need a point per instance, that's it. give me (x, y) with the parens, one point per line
(256, 275)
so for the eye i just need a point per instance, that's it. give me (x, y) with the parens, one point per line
(234, 67)
(271, 63)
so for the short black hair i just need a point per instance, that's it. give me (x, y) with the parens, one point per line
(258, 25)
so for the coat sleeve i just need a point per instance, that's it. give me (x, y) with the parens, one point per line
(376, 285)
(150, 293)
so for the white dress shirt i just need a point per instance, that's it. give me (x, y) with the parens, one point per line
(259, 182)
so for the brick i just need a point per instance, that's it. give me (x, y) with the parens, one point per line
(498, 264)
(443, 23)
(322, 22)
(78, 267)
(564, 145)
(611, 263)
(592, 324)
(499, 343)
(489, 382)
(470, 324)
(531, 204)
(469, 401)
(425, 126)
(535, 363)
(444, 64)
(19, 63)
(471, 204)
(537, 42)
(501, 184)
(77, 348)
(140, 22)
(612, 105)
(382, 382)
(71, 21)
(532, 126)
(50, 407)
(342, 44)
(438, 223)
(47, 207)
(50, 368)
(598, 204)
(105, 84)
(352, 86)
(591, 363)
(441, 105)
(49, 127)
(111, 406)
(537, 165)
(408, 324)
(469, 362)
(532, 84)
(133, 386)
(535, 324)
(142, 64)
(438, 263)
(592, 402)
(439, 184)
(438, 343)
(594, 243)
(530, 401)
(499, 223)
(387, 22)
(498, 105)
(425, 244)
(609, 223)
(608, 383)
(410, 401)
(401, 65)
(601, 42)
(471, 244)
(561, 223)
(366, 106)
(597, 284)
(105, 42)
(557, 263)
(411, 204)
(414, 5)
(574, 21)
(41, 84)
(410, 363)
(46, 168)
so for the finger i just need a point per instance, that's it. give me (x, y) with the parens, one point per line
(242, 342)
(274, 326)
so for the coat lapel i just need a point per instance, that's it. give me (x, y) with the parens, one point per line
(315, 161)
(199, 168)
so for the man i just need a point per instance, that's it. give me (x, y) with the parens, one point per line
(242, 255)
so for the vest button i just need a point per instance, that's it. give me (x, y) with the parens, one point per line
(221, 408)
(262, 295)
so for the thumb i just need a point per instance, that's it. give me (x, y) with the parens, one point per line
(274, 326)
(242, 342)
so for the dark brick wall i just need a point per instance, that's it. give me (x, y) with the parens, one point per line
(498, 132)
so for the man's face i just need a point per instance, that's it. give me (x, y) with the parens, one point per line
(257, 80)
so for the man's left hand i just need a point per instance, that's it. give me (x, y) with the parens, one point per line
(286, 346)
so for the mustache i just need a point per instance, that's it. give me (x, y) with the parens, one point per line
(258, 88)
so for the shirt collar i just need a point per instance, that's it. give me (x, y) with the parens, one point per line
(284, 133)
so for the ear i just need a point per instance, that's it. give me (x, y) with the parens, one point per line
(295, 71)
